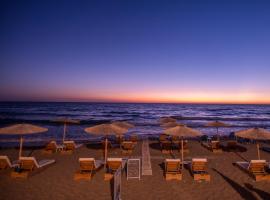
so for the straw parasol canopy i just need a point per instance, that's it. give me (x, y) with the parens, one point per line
(66, 121)
(254, 134)
(182, 131)
(171, 124)
(217, 124)
(123, 124)
(106, 129)
(163, 120)
(22, 129)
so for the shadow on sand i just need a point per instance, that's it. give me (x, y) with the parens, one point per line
(244, 193)
(261, 193)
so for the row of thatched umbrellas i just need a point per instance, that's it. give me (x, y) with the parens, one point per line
(119, 128)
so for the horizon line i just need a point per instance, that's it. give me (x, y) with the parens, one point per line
(129, 102)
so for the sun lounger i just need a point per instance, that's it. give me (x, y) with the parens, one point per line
(134, 139)
(166, 147)
(70, 146)
(53, 147)
(87, 168)
(257, 169)
(213, 146)
(173, 169)
(6, 163)
(163, 137)
(127, 147)
(112, 165)
(28, 164)
(198, 168)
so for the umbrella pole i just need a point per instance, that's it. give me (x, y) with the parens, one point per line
(182, 154)
(258, 151)
(21, 143)
(105, 155)
(64, 134)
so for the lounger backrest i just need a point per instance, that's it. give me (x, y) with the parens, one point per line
(257, 166)
(69, 145)
(127, 145)
(4, 162)
(87, 163)
(172, 165)
(28, 163)
(199, 164)
(51, 146)
(163, 137)
(114, 163)
(215, 144)
(134, 138)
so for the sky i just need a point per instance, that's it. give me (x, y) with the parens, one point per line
(135, 51)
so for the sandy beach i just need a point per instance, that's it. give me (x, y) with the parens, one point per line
(56, 181)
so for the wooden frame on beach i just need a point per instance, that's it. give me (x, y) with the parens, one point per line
(173, 169)
(198, 168)
(255, 169)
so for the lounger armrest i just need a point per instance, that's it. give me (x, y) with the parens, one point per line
(43, 163)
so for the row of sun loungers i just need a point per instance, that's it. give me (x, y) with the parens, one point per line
(257, 169)
(197, 167)
(24, 165)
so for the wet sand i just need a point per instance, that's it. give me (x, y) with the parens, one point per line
(56, 181)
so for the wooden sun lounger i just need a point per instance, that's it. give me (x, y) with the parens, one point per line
(134, 139)
(257, 169)
(127, 147)
(69, 147)
(166, 147)
(112, 165)
(52, 147)
(173, 169)
(163, 137)
(87, 168)
(213, 146)
(5, 163)
(28, 164)
(198, 168)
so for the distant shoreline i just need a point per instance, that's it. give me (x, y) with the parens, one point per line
(124, 102)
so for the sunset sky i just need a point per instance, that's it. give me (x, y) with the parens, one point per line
(135, 51)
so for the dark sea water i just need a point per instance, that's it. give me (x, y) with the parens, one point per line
(143, 116)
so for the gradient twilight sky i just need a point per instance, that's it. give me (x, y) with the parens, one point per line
(135, 51)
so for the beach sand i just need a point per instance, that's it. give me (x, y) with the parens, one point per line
(56, 181)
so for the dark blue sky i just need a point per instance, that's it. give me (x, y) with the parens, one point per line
(160, 51)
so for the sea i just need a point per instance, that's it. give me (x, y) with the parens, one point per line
(145, 117)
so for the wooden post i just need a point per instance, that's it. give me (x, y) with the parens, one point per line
(21, 143)
(105, 156)
(64, 134)
(182, 153)
(258, 151)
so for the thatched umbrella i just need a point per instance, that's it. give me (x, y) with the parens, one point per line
(183, 132)
(254, 134)
(106, 129)
(217, 124)
(163, 120)
(22, 129)
(66, 121)
(171, 124)
(123, 124)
